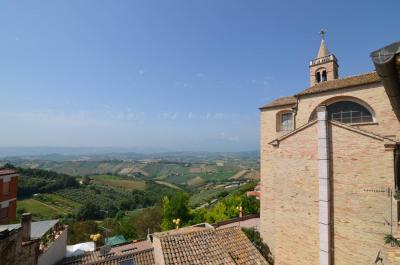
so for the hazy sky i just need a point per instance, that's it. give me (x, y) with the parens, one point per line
(168, 74)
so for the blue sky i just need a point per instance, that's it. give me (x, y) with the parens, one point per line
(168, 75)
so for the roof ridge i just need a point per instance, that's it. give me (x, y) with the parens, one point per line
(171, 233)
(314, 89)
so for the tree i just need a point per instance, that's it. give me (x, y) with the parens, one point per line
(217, 213)
(89, 211)
(198, 216)
(255, 237)
(79, 232)
(175, 207)
(149, 219)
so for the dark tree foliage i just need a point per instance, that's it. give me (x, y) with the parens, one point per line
(33, 181)
(79, 232)
(255, 238)
(90, 211)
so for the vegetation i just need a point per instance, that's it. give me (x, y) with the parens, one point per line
(131, 198)
(38, 209)
(119, 182)
(177, 206)
(257, 241)
(32, 181)
(390, 239)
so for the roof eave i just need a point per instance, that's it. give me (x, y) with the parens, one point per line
(387, 65)
(276, 106)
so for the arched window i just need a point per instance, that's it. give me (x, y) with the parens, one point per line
(318, 77)
(349, 112)
(285, 121)
(323, 76)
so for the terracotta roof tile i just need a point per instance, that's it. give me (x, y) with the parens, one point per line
(346, 82)
(141, 252)
(6, 171)
(209, 246)
(351, 81)
(280, 102)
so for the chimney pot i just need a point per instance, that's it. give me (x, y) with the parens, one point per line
(26, 221)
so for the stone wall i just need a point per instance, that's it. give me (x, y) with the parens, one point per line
(14, 251)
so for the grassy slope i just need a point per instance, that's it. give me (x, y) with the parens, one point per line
(168, 184)
(39, 210)
(115, 181)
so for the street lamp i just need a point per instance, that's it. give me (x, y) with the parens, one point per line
(177, 222)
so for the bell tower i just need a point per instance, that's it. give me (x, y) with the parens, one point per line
(325, 67)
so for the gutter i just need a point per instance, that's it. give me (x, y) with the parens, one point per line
(387, 65)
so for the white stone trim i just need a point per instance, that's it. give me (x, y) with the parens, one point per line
(324, 187)
(7, 178)
(6, 203)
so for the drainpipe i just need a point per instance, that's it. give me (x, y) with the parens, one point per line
(324, 187)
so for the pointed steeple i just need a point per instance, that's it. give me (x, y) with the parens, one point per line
(323, 50)
(325, 66)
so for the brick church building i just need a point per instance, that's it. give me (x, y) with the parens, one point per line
(330, 165)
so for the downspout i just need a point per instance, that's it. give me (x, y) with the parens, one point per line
(294, 111)
(324, 188)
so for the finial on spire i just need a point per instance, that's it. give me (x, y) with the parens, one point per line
(323, 50)
(323, 33)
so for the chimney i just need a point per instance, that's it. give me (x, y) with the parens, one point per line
(26, 221)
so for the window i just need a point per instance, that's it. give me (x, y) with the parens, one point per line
(6, 187)
(286, 121)
(3, 213)
(318, 77)
(323, 76)
(349, 112)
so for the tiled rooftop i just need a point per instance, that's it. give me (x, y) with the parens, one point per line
(209, 246)
(141, 252)
(347, 82)
(280, 102)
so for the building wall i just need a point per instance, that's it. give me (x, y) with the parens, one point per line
(13, 251)
(268, 132)
(158, 252)
(56, 250)
(13, 187)
(373, 94)
(362, 171)
(8, 200)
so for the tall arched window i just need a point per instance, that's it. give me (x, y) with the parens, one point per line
(349, 112)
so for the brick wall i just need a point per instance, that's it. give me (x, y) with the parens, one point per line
(362, 172)
(360, 166)
(374, 95)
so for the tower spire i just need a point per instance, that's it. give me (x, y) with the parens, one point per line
(323, 50)
(325, 66)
